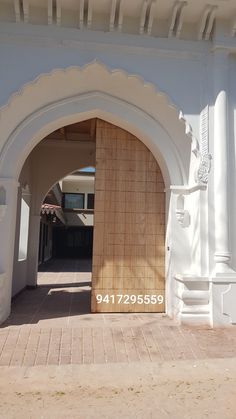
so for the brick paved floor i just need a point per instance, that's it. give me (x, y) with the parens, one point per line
(53, 325)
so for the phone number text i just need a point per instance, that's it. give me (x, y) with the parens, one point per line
(129, 299)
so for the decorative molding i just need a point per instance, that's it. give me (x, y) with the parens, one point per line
(141, 11)
(151, 17)
(98, 66)
(81, 14)
(172, 18)
(189, 132)
(176, 20)
(210, 23)
(50, 12)
(17, 11)
(204, 129)
(58, 12)
(204, 168)
(143, 17)
(112, 15)
(207, 22)
(204, 158)
(202, 173)
(180, 20)
(90, 14)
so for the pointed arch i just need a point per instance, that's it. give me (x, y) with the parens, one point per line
(74, 94)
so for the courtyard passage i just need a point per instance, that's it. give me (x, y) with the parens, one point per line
(52, 325)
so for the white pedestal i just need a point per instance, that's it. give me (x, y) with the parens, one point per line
(223, 299)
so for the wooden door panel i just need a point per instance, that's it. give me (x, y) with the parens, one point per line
(128, 249)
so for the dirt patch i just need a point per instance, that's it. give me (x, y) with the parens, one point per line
(179, 390)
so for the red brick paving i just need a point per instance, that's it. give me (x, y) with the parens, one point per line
(52, 325)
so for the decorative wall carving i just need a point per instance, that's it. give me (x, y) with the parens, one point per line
(202, 173)
(204, 158)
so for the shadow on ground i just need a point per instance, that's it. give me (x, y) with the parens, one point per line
(63, 291)
(66, 265)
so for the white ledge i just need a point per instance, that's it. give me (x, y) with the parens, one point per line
(228, 278)
(187, 190)
(191, 278)
(219, 278)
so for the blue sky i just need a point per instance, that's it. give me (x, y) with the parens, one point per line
(89, 169)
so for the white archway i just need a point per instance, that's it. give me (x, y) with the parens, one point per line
(67, 96)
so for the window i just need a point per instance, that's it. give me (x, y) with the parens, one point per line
(90, 201)
(24, 229)
(73, 200)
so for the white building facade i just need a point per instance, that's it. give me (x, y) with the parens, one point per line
(163, 71)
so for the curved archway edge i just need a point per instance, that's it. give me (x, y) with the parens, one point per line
(78, 108)
(70, 95)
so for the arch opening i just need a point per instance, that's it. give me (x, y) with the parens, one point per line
(129, 209)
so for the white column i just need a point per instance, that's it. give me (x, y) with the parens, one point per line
(222, 251)
(8, 204)
(33, 249)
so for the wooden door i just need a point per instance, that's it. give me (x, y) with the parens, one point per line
(128, 249)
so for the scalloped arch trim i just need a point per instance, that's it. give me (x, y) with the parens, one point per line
(63, 83)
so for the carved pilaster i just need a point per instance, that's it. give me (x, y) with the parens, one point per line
(204, 166)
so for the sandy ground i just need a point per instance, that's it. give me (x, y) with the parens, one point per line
(183, 389)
